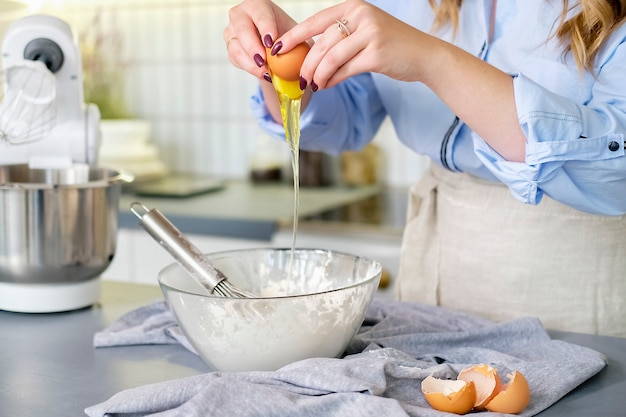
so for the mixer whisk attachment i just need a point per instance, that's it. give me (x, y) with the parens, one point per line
(27, 105)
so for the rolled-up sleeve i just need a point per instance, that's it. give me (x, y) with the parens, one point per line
(574, 152)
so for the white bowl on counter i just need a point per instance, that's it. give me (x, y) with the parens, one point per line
(314, 312)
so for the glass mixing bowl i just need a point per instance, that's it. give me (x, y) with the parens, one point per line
(308, 306)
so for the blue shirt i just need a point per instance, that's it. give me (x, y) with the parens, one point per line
(574, 123)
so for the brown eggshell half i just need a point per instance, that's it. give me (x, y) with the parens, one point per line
(513, 398)
(486, 381)
(452, 396)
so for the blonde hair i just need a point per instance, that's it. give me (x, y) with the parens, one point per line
(583, 34)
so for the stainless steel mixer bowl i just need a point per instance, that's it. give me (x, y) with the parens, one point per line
(57, 225)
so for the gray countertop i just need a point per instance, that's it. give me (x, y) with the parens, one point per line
(244, 210)
(50, 368)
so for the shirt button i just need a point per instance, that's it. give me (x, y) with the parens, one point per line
(613, 146)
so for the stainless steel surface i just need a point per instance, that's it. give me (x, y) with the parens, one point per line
(57, 225)
(188, 256)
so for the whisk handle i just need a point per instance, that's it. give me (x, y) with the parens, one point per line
(174, 241)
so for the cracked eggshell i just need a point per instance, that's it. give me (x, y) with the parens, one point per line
(287, 66)
(514, 396)
(486, 381)
(452, 396)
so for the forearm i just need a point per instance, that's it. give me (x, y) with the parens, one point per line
(479, 94)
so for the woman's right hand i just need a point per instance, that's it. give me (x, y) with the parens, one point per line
(253, 26)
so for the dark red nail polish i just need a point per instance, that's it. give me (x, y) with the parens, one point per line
(314, 86)
(276, 48)
(258, 60)
(267, 77)
(303, 83)
(268, 41)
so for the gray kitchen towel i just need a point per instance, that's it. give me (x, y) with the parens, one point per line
(152, 324)
(398, 345)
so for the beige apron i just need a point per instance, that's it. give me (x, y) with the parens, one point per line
(469, 245)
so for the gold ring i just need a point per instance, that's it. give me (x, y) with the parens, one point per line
(342, 28)
(234, 38)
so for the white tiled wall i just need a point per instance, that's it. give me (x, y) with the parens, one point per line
(179, 78)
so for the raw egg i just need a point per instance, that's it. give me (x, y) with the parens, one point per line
(449, 395)
(287, 66)
(513, 398)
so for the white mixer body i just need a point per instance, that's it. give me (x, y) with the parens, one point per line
(55, 238)
(76, 135)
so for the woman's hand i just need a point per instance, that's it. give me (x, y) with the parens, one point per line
(355, 37)
(253, 26)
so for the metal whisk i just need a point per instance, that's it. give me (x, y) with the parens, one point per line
(193, 261)
(27, 106)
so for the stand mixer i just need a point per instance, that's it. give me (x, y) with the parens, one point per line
(58, 210)
(75, 137)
